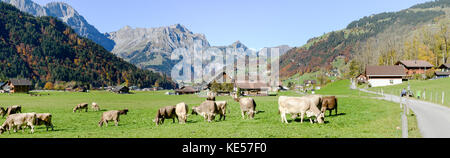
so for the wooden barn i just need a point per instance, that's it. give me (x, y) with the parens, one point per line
(121, 90)
(253, 88)
(186, 90)
(19, 85)
(412, 67)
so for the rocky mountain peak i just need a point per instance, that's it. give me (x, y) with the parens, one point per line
(68, 15)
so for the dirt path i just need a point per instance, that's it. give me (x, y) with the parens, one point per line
(433, 119)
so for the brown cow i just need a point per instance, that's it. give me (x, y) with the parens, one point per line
(112, 115)
(182, 110)
(16, 121)
(300, 105)
(95, 106)
(222, 109)
(168, 112)
(44, 119)
(207, 109)
(248, 106)
(13, 110)
(329, 103)
(80, 107)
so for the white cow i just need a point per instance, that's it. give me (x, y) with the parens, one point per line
(300, 105)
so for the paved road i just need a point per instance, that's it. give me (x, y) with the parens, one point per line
(433, 119)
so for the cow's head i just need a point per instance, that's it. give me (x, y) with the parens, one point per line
(321, 118)
(194, 111)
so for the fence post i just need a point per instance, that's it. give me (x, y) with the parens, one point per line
(404, 123)
(424, 95)
(431, 97)
(407, 106)
(401, 103)
(437, 100)
(443, 95)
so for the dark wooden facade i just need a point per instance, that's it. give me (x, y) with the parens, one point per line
(19, 85)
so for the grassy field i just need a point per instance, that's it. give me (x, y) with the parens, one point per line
(359, 117)
(433, 89)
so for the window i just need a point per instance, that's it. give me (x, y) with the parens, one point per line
(391, 81)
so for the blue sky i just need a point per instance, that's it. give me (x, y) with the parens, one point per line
(256, 23)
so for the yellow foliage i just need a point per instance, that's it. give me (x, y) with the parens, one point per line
(424, 53)
(48, 86)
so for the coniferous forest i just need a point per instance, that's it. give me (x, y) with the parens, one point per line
(44, 49)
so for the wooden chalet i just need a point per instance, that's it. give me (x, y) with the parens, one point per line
(253, 88)
(186, 90)
(19, 85)
(412, 67)
(121, 90)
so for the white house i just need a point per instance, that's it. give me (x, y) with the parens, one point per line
(384, 75)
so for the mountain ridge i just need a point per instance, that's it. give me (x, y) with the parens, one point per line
(45, 49)
(67, 14)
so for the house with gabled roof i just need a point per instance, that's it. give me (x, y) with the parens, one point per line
(412, 67)
(384, 75)
(19, 85)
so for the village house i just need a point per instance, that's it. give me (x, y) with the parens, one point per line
(253, 88)
(445, 67)
(186, 90)
(121, 90)
(445, 71)
(412, 67)
(384, 75)
(19, 85)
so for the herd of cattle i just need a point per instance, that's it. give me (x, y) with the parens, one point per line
(311, 105)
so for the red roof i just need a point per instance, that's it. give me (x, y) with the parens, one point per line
(385, 71)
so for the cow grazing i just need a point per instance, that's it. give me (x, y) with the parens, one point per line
(112, 115)
(181, 110)
(248, 106)
(2, 112)
(13, 110)
(16, 121)
(222, 109)
(329, 103)
(44, 119)
(168, 112)
(207, 109)
(300, 105)
(80, 107)
(95, 106)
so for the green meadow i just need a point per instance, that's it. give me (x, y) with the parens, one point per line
(360, 116)
(433, 89)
